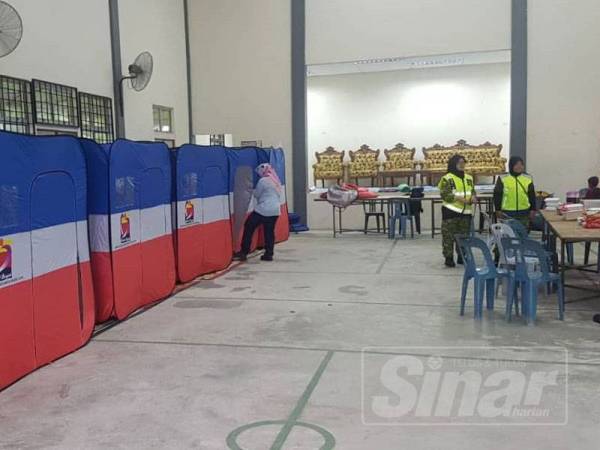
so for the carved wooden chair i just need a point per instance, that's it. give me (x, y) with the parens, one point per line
(399, 163)
(329, 166)
(364, 163)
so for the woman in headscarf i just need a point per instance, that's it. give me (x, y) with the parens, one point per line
(514, 194)
(266, 212)
(458, 196)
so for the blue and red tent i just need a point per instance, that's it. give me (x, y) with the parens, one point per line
(202, 215)
(242, 181)
(46, 294)
(276, 158)
(131, 240)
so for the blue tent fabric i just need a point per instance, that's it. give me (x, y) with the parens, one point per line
(202, 212)
(242, 181)
(130, 222)
(46, 296)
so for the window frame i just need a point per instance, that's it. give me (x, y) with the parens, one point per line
(27, 122)
(53, 108)
(160, 109)
(103, 106)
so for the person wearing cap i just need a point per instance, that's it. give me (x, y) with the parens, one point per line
(457, 190)
(514, 194)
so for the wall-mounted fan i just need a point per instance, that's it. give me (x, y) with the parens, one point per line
(140, 72)
(11, 29)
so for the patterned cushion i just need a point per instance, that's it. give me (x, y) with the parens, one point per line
(399, 161)
(330, 166)
(364, 165)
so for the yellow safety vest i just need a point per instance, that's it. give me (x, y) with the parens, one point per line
(461, 187)
(515, 192)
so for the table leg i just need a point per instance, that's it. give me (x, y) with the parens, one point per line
(333, 215)
(562, 261)
(481, 216)
(432, 219)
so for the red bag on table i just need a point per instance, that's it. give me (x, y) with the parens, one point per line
(363, 192)
(591, 221)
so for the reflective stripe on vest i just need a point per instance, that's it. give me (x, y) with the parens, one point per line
(460, 188)
(515, 193)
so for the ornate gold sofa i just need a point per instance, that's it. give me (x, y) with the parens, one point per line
(400, 162)
(364, 163)
(482, 160)
(329, 166)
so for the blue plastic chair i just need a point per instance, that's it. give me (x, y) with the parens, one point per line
(531, 277)
(520, 231)
(400, 212)
(484, 276)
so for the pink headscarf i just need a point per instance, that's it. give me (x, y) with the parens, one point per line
(266, 170)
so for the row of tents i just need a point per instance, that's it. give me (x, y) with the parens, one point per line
(92, 232)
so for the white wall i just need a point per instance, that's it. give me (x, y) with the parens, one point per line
(241, 74)
(563, 133)
(64, 41)
(416, 107)
(68, 42)
(156, 26)
(347, 30)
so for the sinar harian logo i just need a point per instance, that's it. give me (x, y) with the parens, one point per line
(5, 259)
(472, 386)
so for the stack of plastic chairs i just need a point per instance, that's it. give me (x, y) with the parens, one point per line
(531, 277)
(400, 214)
(482, 271)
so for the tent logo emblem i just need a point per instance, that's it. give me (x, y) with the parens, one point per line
(5, 259)
(189, 212)
(125, 228)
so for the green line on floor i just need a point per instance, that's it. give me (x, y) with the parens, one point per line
(292, 420)
(297, 411)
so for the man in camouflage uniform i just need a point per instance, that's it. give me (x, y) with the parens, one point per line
(457, 190)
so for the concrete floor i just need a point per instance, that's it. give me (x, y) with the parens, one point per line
(268, 356)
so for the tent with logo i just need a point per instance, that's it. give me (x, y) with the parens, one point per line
(132, 256)
(242, 181)
(276, 158)
(202, 216)
(46, 295)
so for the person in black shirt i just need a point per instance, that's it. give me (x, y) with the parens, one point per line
(593, 191)
(514, 193)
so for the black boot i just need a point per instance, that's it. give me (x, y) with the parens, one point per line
(459, 259)
(266, 258)
(449, 262)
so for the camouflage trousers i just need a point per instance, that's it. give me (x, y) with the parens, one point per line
(450, 229)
